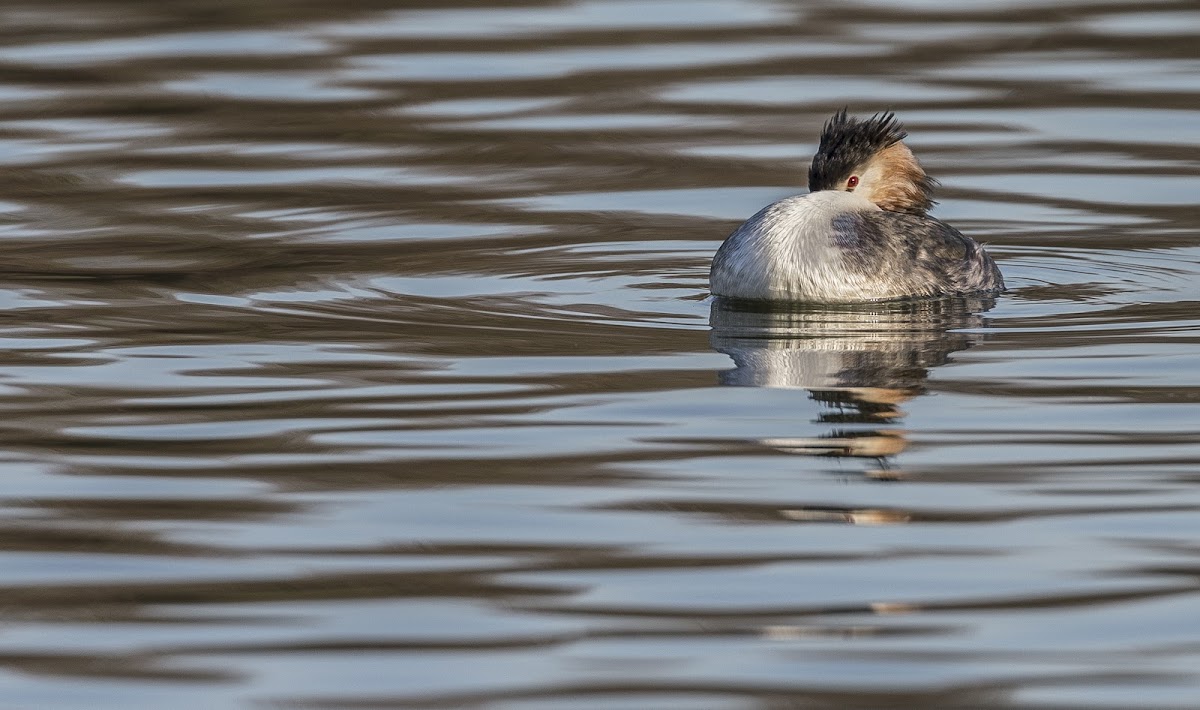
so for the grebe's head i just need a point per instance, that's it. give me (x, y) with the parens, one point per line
(868, 157)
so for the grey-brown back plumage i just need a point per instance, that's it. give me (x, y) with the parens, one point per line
(934, 257)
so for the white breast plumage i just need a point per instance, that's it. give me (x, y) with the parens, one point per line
(787, 252)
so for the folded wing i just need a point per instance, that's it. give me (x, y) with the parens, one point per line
(916, 253)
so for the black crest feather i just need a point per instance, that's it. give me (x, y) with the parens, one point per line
(847, 143)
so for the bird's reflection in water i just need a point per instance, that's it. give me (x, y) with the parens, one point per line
(860, 362)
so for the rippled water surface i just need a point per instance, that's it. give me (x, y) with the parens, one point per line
(359, 355)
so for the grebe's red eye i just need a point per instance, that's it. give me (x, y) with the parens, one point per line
(852, 182)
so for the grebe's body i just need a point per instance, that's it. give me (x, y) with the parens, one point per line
(860, 234)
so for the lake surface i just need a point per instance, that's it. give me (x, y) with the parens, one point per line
(360, 355)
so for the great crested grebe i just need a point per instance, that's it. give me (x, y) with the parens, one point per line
(860, 234)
